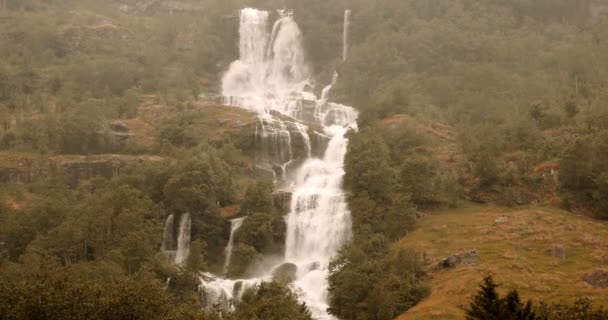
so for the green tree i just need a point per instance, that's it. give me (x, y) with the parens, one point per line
(488, 304)
(258, 199)
(367, 166)
(271, 301)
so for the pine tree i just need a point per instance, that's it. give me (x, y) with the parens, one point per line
(486, 304)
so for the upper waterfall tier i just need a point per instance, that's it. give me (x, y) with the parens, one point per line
(271, 66)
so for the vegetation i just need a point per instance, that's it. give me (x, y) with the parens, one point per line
(58, 294)
(544, 253)
(103, 135)
(488, 304)
(271, 301)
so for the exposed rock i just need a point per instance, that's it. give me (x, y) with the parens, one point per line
(502, 220)
(285, 273)
(209, 99)
(597, 278)
(420, 215)
(264, 171)
(558, 252)
(119, 126)
(459, 259)
(313, 266)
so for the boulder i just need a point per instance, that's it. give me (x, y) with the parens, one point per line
(597, 278)
(501, 220)
(455, 260)
(559, 252)
(119, 126)
(285, 273)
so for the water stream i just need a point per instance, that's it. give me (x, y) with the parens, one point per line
(272, 79)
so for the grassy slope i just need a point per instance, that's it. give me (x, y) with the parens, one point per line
(515, 253)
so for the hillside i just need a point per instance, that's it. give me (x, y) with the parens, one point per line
(120, 167)
(543, 252)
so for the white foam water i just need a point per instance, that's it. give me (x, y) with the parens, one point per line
(272, 79)
(235, 225)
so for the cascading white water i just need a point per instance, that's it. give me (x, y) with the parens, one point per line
(183, 239)
(235, 225)
(271, 78)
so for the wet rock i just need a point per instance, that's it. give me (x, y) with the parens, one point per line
(285, 273)
(597, 279)
(264, 171)
(313, 266)
(282, 201)
(463, 258)
(558, 252)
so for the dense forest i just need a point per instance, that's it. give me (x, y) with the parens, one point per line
(109, 124)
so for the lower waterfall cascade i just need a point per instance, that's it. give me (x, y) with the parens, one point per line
(272, 80)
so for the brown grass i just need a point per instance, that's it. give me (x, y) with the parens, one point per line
(515, 253)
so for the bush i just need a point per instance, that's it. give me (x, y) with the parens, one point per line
(271, 301)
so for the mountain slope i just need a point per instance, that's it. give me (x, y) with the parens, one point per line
(543, 252)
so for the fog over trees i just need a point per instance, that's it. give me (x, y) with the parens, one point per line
(230, 159)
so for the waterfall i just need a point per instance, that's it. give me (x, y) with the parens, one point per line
(168, 234)
(235, 225)
(346, 34)
(183, 240)
(272, 79)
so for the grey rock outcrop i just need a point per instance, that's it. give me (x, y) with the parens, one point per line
(558, 252)
(597, 278)
(463, 258)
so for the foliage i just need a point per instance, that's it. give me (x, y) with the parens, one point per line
(581, 309)
(59, 295)
(366, 282)
(488, 304)
(263, 230)
(271, 301)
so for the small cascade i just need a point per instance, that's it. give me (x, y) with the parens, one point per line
(235, 225)
(274, 140)
(169, 244)
(183, 239)
(303, 130)
(321, 105)
(221, 293)
(347, 14)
